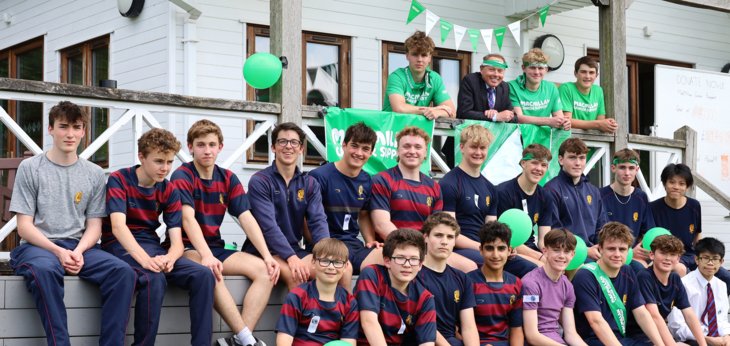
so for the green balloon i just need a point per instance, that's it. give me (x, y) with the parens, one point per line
(519, 223)
(581, 253)
(651, 234)
(337, 343)
(262, 70)
(630, 256)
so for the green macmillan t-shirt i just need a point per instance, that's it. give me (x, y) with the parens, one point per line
(417, 94)
(540, 103)
(583, 106)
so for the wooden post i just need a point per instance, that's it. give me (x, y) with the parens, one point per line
(286, 40)
(612, 42)
(689, 154)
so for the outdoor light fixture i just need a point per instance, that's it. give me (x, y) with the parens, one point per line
(130, 8)
(726, 68)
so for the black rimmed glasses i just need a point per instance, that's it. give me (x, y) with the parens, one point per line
(402, 260)
(283, 142)
(325, 262)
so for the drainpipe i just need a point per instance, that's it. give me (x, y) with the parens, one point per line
(190, 52)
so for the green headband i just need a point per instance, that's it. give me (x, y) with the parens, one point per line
(529, 157)
(537, 64)
(494, 63)
(616, 161)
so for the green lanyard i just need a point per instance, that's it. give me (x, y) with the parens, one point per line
(614, 301)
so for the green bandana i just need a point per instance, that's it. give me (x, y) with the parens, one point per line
(494, 63)
(529, 157)
(537, 64)
(618, 309)
(616, 161)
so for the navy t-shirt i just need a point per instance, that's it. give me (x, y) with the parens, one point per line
(665, 297)
(632, 211)
(684, 222)
(589, 297)
(539, 206)
(452, 292)
(472, 199)
(343, 198)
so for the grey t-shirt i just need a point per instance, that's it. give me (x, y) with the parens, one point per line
(59, 198)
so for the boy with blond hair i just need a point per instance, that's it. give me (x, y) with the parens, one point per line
(206, 192)
(136, 196)
(535, 100)
(320, 311)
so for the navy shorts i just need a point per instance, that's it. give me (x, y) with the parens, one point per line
(358, 253)
(218, 252)
(301, 253)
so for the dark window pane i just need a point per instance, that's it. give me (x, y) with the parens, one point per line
(99, 65)
(261, 45)
(76, 70)
(4, 132)
(30, 119)
(4, 68)
(30, 64)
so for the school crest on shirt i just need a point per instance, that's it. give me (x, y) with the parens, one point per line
(535, 217)
(589, 199)
(429, 201)
(691, 228)
(78, 196)
(300, 195)
(457, 296)
(636, 216)
(360, 193)
(488, 201)
(625, 297)
(512, 299)
(409, 320)
(221, 199)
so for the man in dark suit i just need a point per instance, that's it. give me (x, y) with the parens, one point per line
(484, 95)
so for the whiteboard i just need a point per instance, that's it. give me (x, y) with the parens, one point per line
(701, 100)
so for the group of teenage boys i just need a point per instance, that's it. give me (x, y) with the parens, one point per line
(434, 266)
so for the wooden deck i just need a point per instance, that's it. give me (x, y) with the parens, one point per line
(20, 324)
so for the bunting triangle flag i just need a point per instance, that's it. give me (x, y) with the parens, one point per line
(459, 32)
(446, 28)
(487, 37)
(514, 28)
(498, 35)
(431, 20)
(543, 14)
(473, 38)
(415, 9)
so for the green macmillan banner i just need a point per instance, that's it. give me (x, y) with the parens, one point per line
(385, 124)
(506, 140)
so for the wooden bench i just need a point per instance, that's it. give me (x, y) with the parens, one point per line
(20, 324)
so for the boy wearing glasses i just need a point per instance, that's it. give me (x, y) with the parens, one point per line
(346, 191)
(282, 197)
(206, 192)
(548, 297)
(707, 297)
(394, 307)
(320, 311)
(663, 290)
(451, 288)
(498, 294)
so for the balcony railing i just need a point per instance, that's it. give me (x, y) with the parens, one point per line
(136, 109)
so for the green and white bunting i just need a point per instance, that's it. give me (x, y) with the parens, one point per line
(543, 14)
(446, 28)
(415, 10)
(499, 36)
(386, 126)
